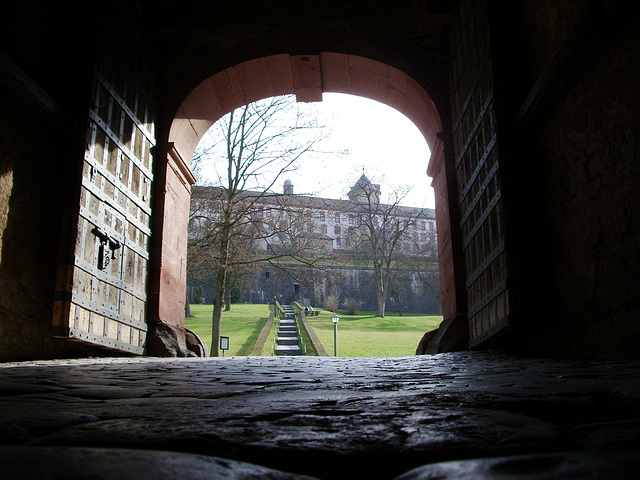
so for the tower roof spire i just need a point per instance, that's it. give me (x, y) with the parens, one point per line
(363, 187)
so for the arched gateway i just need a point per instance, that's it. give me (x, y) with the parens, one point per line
(308, 77)
(529, 108)
(124, 238)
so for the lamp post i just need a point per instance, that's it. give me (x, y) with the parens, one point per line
(335, 319)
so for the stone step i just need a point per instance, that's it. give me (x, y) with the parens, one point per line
(287, 342)
(283, 350)
(287, 347)
(286, 333)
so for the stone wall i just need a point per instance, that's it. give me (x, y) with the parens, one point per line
(168, 269)
(44, 84)
(314, 286)
(33, 185)
(577, 160)
(591, 148)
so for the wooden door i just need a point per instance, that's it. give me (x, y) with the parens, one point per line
(102, 290)
(478, 172)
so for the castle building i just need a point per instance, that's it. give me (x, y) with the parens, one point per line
(328, 221)
(328, 232)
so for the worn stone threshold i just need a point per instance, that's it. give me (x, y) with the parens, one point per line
(493, 416)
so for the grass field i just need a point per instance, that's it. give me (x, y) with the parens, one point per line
(242, 325)
(363, 335)
(366, 335)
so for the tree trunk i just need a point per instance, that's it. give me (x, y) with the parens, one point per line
(217, 311)
(221, 280)
(227, 296)
(381, 293)
(381, 306)
(382, 290)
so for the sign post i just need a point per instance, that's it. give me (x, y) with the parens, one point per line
(224, 344)
(335, 319)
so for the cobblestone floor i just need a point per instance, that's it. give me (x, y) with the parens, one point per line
(484, 414)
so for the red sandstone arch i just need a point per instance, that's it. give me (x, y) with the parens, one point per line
(306, 76)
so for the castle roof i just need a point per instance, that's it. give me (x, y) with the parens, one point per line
(362, 182)
(318, 203)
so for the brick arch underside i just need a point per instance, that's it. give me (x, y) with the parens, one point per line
(307, 77)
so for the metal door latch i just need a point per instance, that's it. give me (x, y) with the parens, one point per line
(107, 248)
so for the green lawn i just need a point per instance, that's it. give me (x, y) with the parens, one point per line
(242, 325)
(366, 335)
(363, 335)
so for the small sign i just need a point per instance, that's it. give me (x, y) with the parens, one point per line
(224, 344)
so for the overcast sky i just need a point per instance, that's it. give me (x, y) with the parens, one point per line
(378, 138)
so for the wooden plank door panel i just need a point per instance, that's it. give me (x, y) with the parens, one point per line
(478, 172)
(102, 294)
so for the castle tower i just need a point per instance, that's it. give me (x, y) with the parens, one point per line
(363, 189)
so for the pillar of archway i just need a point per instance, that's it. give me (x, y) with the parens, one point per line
(307, 77)
(167, 282)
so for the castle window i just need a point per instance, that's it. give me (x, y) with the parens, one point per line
(336, 230)
(337, 217)
(431, 226)
(338, 242)
(322, 219)
(323, 228)
(351, 220)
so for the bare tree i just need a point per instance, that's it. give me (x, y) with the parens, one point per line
(203, 251)
(256, 146)
(382, 238)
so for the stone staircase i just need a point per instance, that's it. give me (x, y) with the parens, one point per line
(287, 341)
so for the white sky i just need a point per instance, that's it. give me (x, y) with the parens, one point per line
(377, 137)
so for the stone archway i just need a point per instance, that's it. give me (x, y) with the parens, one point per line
(307, 77)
